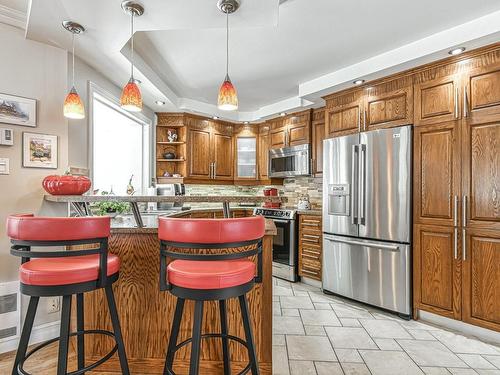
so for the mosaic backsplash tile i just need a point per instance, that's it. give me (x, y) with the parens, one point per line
(292, 188)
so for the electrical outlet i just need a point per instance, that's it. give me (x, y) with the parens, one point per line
(53, 304)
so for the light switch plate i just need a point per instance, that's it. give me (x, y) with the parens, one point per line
(4, 166)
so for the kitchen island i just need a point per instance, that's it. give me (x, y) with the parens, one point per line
(146, 313)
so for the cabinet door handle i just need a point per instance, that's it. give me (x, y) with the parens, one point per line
(464, 245)
(455, 243)
(364, 119)
(209, 170)
(464, 211)
(466, 102)
(455, 210)
(359, 122)
(456, 103)
(215, 169)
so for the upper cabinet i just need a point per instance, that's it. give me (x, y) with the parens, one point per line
(318, 135)
(290, 130)
(389, 104)
(245, 160)
(343, 113)
(263, 152)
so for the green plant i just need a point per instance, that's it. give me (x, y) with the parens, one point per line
(104, 208)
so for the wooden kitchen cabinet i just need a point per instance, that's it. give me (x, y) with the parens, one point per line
(343, 113)
(290, 130)
(437, 174)
(210, 149)
(389, 104)
(437, 270)
(318, 135)
(245, 152)
(263, 152)
(481, 278)
(310, 246)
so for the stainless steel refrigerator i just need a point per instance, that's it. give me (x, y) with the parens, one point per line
(367, 217)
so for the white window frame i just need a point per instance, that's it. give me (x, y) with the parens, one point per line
(97, 93)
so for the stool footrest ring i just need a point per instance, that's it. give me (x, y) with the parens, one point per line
(214, 335)
(21, 371)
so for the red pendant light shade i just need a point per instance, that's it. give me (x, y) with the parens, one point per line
(131, 99)
(228, 98)
(73, 106)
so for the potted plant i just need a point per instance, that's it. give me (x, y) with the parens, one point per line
(111, 208)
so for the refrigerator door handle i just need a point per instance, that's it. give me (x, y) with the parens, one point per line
(361, 184)
(354, 184)
(361, 243)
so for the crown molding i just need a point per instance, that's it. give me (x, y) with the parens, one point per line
(12, 17)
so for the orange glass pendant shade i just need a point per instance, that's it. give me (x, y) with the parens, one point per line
(131, 99)
(228, 98)
(73, 105)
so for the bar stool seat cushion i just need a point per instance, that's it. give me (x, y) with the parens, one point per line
(64, 271)
(210, 274)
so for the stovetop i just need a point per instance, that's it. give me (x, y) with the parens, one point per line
(278, 213)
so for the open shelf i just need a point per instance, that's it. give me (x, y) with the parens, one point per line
(170, 143)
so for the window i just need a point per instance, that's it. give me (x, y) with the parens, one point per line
(120, 148)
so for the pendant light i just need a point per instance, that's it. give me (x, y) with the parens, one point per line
(73, 105)
(228, 98)
(131, 99)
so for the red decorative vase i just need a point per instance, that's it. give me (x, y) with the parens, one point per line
(66, 185)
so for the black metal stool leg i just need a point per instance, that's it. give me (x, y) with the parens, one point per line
(80, 326)
(174, 334)
(249, 335)
(26, 333)
(117, 330)
(196, 343)
(62, 360)
(225, 342)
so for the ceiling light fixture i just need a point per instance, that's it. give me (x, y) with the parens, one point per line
(283, 114)
(215, 118)
(73, 105)
(246, 122)
(131, 99)
(359, 81)
(456, 51)
(160, 102)
(228, 98)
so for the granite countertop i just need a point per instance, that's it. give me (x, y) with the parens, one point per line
(316, 212)
(154, 198)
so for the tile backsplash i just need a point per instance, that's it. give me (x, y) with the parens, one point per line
(292, 188)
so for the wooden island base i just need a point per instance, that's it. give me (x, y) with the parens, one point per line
(146, 313)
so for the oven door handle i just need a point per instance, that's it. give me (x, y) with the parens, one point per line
(281, 221)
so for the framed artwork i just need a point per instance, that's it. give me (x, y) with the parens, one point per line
(17, 110)
(39, 150)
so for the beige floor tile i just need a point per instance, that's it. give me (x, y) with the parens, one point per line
(279, 340)
(328, 368)
(387, 344)
(350, 338)
(290, 325)
(280, 361)
(465, 345)
(462, 371)
(431, 353)
(494, 359)
(348, 355)
(350, 322)
(290, 312)
(382, 362)
(296, 302)
(476, 361)
(384, 329)
(435, 371)
(355, 369)
(302, 368)
(310, 348)
(344, 311)
(319, 318)
(315, 330)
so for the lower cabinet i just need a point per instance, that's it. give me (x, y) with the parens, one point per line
(310, 246)
(456, 273)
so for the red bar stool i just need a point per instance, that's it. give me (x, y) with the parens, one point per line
(209, 277)
(64, 273)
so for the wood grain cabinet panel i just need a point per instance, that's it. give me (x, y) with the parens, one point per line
(437, 100)
(482, 94)
(199, 153)
(343, 113)
(263, 153)
(389, 104)
(482, 174)
(223, 156)
(310, 246)
(277, 138)
(437, 174)
(299, 128)
(318, 135)
(437, 275)
(481, 279)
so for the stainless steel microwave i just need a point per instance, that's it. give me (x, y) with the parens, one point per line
(290, 161)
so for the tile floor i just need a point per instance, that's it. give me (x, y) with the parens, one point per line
(316, 334)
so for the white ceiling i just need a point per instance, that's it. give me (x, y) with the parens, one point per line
(282, 57)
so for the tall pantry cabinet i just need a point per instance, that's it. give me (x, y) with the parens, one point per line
(457, 190)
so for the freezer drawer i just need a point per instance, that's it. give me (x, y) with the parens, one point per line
(373, 272)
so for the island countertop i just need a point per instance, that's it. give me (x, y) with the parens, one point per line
(163, 198)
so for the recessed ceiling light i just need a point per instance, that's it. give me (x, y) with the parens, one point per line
(160, 102)
(359, 81)
(282, 114)
(246, 122)
(215, 117)
(456, 51)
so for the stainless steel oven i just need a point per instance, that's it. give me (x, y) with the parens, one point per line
(284, 242)
(290, 161)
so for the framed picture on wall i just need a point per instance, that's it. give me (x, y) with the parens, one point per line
(17, 110)
(39, 150)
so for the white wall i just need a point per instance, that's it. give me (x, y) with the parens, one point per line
(38, 71)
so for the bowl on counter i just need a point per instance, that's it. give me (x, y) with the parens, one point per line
(66, 184)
